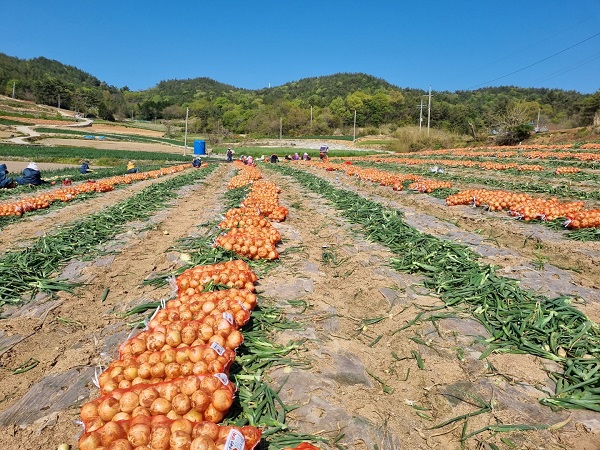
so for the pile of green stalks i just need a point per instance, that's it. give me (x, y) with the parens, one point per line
(517, 320)
(35, 268)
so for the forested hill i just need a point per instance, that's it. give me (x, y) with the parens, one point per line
(318, 105)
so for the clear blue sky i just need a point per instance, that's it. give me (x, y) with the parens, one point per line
(450, 45)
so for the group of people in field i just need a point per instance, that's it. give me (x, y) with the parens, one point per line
(31, 175)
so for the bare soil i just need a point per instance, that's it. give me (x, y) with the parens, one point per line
(363, 380)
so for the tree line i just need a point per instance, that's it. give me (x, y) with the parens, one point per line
(311, 106)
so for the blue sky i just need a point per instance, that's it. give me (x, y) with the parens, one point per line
(448, 45)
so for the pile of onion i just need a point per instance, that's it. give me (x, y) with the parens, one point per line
(566, 170)
(586, 218)
(428, 186)
(235, 273)
(184, 334)
(154, 367)
(161, 433)
(196, 398)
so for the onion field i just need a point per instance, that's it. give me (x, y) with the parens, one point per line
(443, 299)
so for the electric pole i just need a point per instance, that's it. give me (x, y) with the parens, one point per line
(429, 111)
(421, 113)
(187, 113)
(311, 116)
(354, 140)
(280, 128)
(58, 101)
(14, 83)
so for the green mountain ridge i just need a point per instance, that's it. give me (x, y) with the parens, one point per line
(316, 105)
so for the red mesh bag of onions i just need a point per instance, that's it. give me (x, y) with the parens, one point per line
(196, 398)
(162, 433)
(154, 367)
(183, 334)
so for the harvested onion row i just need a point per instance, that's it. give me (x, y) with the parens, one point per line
(65, 194)
(154, 367)
(160, 432)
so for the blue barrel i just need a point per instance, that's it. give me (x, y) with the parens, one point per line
(199, 147)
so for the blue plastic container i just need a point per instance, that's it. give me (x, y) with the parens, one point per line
(199, 147)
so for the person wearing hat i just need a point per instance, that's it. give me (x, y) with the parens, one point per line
(196, 162)
(5, 180)
(229, 155)
(131, 167)
(85, 167)
(31, 175)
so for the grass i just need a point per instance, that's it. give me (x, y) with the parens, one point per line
(73, 155)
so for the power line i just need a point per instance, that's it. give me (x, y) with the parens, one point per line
(535, 63)
(568, 69)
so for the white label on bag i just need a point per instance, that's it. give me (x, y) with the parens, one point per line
(228, 317)
(235, 441)
(217, 348)
(223, 378)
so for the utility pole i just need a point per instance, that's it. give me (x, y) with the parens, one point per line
(421, 113)
(14, 83)
(187, 113)
(538, 121)
(58, 101)
(354, 139)
(310, 116)
(280, 128)
(429, 111)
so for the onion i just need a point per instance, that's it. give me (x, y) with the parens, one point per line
(169, 390)
(108, 408)
(120, 444)
(200, 400)
(121, 416)
(169, 356)
(158, 370)
(90, 441)
(181, 404)
(155, 341)
(222, 399)
(180, 440)
(190, 385)
(89, 411)
(130, 373)
(209, 429)
(147, 396)
(129, 401)
(234, 340)
(145, 370)
(183, 356)
(173, 338)
(182, 425)
(110, 432)
(203, 443)
(210, 384)
(139, 434)
(159, 438)
(172, 370)
(140, 411)
(212, 414)
(188, 335)
(160, 406)
(193, 416)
